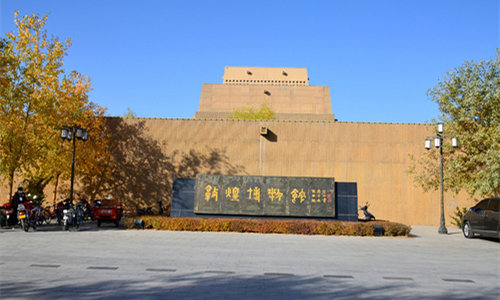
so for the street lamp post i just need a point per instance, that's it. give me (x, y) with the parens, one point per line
(73, 133)
(438, 143)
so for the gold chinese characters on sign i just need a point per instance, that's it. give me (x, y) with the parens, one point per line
(265, 195)
(297, 195)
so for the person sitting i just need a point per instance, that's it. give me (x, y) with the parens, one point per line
(19, 197)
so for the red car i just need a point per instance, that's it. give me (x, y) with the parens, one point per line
(108, 210)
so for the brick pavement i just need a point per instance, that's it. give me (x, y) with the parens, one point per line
(117, 264)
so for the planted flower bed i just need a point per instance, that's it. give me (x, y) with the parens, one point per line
(309, 227)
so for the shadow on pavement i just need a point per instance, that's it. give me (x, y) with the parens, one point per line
(88, 226)
(489, 239)
(201, 286)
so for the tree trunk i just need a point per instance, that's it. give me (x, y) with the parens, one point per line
(11, 183)
(55, 189)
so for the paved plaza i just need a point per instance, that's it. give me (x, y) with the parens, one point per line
(110, 263)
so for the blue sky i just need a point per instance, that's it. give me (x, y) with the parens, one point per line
(379, 58)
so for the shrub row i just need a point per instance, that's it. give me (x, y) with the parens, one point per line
(309, 227)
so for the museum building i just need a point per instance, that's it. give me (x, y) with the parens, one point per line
(305, 140)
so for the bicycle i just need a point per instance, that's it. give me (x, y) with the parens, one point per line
(36, 216)
(47, 215)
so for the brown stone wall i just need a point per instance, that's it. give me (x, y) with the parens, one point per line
(374, 155)
(290, 117)
(268, 76)
(308, 101)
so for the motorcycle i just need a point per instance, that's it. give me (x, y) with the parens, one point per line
(80, 212)
(3, 217)
(368, 215)
(36, 215)
(86, 212)
(23, 216)
(8, 214)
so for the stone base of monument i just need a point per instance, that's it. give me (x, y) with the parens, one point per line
(264, 197)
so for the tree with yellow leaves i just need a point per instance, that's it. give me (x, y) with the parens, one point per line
(250, 113)
(37, 98)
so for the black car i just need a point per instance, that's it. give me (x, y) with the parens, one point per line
(483, 219)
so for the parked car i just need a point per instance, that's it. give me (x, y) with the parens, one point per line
(108, 210)
(483, 219)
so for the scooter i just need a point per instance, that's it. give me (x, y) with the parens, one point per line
(148, 211)
(368, 215)
(59, 210)
(70, 218)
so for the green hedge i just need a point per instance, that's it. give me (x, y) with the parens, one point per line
(309, 227)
